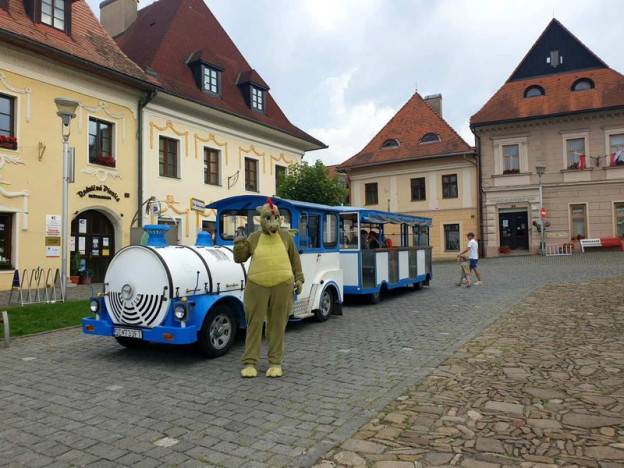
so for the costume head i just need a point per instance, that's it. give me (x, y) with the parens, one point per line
(269, 217)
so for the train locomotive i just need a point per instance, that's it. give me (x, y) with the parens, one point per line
(171, 294)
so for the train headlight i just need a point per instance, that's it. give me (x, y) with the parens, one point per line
(180, 312)
(94, 305)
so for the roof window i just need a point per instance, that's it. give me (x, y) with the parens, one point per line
(534, 91)
(430, 138)
(390, 143)
(55, 13)
(582, 84)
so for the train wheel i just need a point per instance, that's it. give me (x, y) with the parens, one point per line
(416, 286)
(130, 343)
(375, 297)
(326, 305)
(218, 332)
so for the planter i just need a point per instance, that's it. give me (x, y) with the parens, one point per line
(504, 249)
(9, 145)
(74, 279)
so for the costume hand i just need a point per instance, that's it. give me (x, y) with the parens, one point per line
(298, 287)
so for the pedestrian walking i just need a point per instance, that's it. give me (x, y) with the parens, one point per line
(472, 249)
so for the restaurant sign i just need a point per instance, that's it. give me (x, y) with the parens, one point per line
(101, 192)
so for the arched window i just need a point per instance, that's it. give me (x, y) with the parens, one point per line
(430, 138)
(534, 91)
(582, 84)
(390, 143)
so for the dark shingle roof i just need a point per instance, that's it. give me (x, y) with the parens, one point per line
(414, 120)
(168, 33)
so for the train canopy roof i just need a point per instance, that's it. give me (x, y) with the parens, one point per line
(250, 202)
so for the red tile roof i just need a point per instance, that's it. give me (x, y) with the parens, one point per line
(88, 45)
(167, 33)
(509, 102)
(408, 126)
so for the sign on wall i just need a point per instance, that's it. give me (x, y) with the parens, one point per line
(52, 241)
(197, 204)
(101, 192)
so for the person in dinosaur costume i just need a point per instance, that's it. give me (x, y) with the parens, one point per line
(274, 274)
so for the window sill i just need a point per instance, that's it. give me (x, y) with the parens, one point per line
(102, 166)
(515, 174)
(213, 185)
(563, 171)
(178, 179)
(418, 200)
(606, 168)
(449, 198)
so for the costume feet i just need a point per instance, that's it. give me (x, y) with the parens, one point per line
(249, 372)
(274, 371)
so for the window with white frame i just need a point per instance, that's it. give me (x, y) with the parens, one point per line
(6, 231)
(575, 151)
(7, 122)
(510, 155)
(211, 79)
(257, 98)
(616, 149)
(511, 159)
(251, 175)
(53, 13)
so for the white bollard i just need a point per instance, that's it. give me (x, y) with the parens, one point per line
(7, 331)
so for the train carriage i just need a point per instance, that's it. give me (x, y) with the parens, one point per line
(182, 294)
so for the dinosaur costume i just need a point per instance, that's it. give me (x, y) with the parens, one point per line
(274, 272)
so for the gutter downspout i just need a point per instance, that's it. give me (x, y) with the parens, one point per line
(479, 194)
(144, 101)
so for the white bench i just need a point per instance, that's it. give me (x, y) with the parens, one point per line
(590, 243)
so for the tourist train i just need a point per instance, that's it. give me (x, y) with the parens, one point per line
(183, 294)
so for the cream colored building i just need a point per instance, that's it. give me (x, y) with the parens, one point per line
(417, 164)
(566, 116)
(38, 55)
(213, 129)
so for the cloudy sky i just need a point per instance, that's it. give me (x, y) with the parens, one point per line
(341, 68)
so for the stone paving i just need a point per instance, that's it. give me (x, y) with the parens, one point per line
(68, 399)
(543, 386)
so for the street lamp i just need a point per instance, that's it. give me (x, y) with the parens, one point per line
(66, 110)
(540, 172)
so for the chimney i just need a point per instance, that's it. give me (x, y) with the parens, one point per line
(117, 15)
(435, 102)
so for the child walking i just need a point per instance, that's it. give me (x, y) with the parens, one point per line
(464, 268)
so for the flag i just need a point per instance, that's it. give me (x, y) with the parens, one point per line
(582, 164)
(617, 158)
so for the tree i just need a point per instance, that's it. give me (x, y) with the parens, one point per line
(312, 183)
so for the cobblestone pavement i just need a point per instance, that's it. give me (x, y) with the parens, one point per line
(543, 386)
(69, 399)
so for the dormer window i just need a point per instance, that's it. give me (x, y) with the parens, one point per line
(430, 138)
(256, 98)
(534, 91)
(54, 13)
(211, 80)
(582, 84)
(390, 143)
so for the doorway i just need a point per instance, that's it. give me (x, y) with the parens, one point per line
(92, 245)
(514, 230)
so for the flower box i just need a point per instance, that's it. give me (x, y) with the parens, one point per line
(104, 160)
(8, 142)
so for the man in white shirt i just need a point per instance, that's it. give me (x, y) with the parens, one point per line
(473, 255)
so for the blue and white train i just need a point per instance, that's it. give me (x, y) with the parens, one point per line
(193, 294)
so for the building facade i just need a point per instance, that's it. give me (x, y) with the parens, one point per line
(212, 130)
(417, 164)
(562, 109)
(41, 48)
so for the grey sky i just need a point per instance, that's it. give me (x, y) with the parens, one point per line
(341, 68)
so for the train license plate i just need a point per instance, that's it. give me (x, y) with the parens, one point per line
(129, 333)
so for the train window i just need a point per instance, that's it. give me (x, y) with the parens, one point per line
(423, 240)
(330, 231)
(349, 231)
(309, 231)
(246, 221)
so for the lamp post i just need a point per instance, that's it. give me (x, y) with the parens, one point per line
(66, 110)
(540, 172)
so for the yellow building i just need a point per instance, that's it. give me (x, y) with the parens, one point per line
(212, 130)
(64, 54)
(417, 164)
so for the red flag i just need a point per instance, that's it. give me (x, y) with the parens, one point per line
(582, 163)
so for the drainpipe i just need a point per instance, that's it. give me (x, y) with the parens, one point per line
(479, 195)
(476, 163)
(144, 101)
